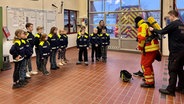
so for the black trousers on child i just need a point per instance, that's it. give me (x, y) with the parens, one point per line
(44, 65)
(94, 52)
(175, 66)
(16, 73)
(104, 52)
(83, 51)
(38, 64)
(99, 52)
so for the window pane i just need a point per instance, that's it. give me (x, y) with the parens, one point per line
(181, 15)
(66, 20)
(91, 27)
(113, 31)
(95, 18)
(112, 5)
(96, 6)
(179, 4)
(150, 4)
(73, 19)
(111, 18)
(130, 3)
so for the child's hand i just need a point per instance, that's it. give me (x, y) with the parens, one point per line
(87, 48)
(18, 57)
(59, 49)
(96, 45)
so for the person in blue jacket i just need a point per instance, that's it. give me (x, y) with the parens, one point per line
(53, 40)
(31, 39)
(105, 41)
(95, 42)
(18, 52)
(45, 49)
(63, 43)
(82, 45)
(37, 42)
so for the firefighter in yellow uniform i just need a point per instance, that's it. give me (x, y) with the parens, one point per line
(149, 51)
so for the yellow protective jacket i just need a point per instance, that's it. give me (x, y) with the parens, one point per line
(143, 32)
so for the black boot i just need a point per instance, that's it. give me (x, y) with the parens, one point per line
(147, 85)
(16, 85)
(165, 91)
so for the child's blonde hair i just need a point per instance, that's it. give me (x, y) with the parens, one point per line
(17, 33)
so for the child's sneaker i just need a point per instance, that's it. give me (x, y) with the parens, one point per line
(33, 72)
(78, 63)
(60, 63)
(63, 62)
(46, 73)
(86, 63)
(28, 75)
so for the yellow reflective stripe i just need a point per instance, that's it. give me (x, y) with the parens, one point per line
(18, 42)
(41, 43)
(107, 34)
(143, 68)
(50, 35)
(149, 80)
(148, 76)
(37, 35)
(91, 35)
(78, 36)
(23, 41)
(86, 36)
(59, 36)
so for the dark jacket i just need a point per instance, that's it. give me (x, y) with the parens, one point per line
(17, 49)
(44, 48)
(63, 41)
(53, 40)
(94, 39)
(105, 39)
(28, 48)
(175, 32)
(82, 41)
(37, 40)
(31, 39)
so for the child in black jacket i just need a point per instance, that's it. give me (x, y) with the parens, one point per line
(18, 52)
(63, 43)
(95, 43)
(31, 39)
(44, 48)
(105, 41)
(53, 40)
(82, 45)
(37, 42)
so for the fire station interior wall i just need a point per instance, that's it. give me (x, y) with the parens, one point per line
(42, 5)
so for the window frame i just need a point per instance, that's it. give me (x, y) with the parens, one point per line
(69, 20)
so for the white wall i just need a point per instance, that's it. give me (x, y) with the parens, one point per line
(168, 5)
(40, 4)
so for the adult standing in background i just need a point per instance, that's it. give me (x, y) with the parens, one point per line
(100, 27)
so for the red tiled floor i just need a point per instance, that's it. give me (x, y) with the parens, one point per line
(97, 83)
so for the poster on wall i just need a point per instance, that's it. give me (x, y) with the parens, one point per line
(18, 17)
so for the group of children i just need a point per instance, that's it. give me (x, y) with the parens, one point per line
(99, 44)
(45, 46)
(48, 46)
